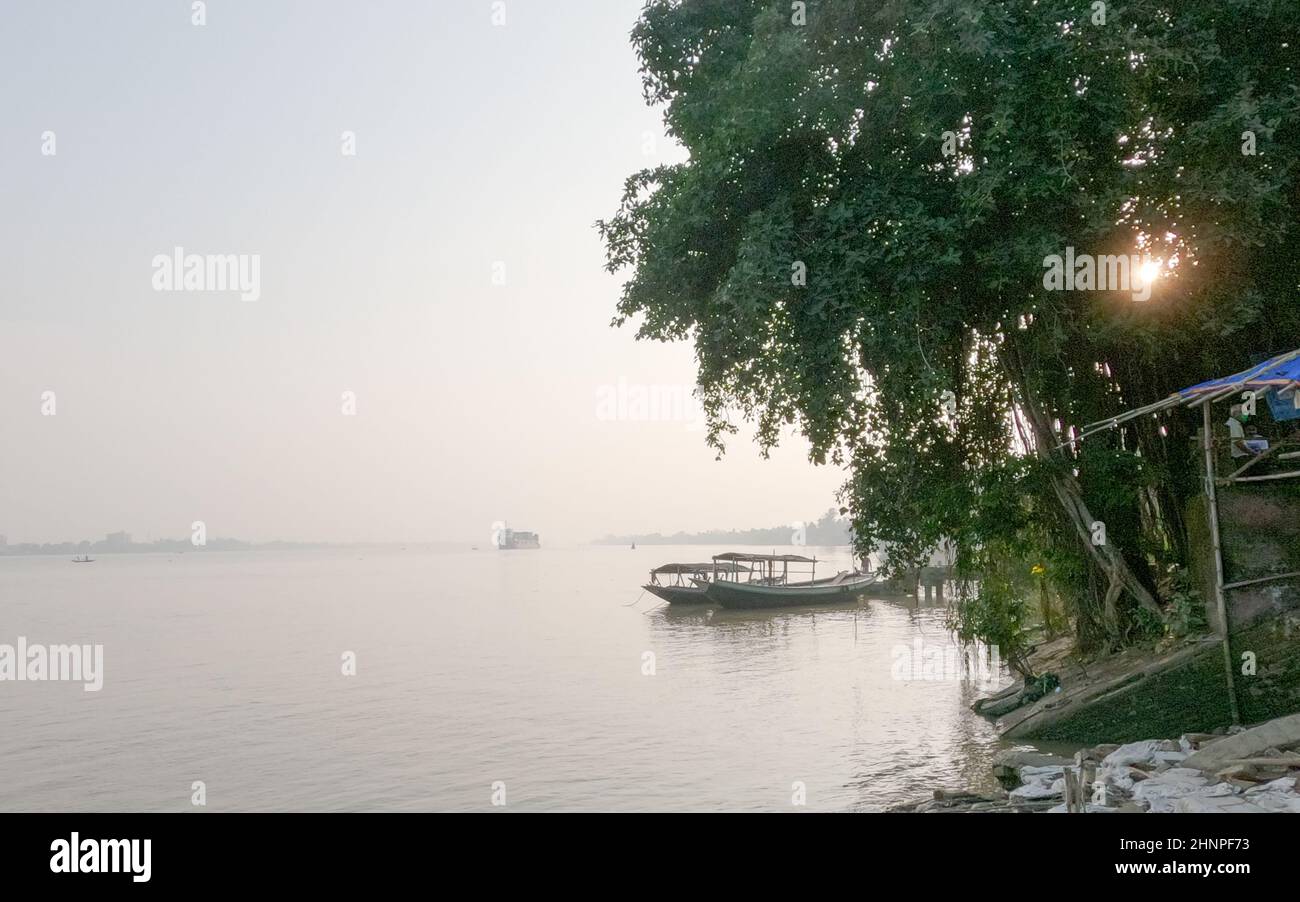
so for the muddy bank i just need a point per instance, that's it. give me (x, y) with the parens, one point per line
(1143, 692)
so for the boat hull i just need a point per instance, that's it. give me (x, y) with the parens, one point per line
(745, 595)
(678, 594)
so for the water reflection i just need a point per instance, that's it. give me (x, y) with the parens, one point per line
(892, 738)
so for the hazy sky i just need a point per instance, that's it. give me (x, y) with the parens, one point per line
(475, 145)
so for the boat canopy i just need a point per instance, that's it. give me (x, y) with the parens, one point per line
(764, 558)
(698, 568)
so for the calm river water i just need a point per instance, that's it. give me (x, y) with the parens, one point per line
(524, 669)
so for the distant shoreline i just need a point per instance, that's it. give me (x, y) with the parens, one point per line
(183, 546)
(827, 531)
(670, 540)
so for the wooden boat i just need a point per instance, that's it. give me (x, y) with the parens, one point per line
(773, 589)
(87, 559)
(684, 583)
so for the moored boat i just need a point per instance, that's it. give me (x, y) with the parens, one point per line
(684, 583)
(773, 588)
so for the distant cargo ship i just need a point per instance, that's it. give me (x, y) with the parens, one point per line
(517, 538)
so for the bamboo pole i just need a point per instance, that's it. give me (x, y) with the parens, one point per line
(1272, 477)
(1219, 600)
(1262, 579)
(1254, 460)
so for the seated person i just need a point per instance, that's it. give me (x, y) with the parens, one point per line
(1237, 433)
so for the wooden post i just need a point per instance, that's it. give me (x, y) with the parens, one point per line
(1087, 776)
(1219, 600)
(1071, 790)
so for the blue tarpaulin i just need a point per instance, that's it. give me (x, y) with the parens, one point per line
(1275, 380)
(1282, 408)
(1279, 371)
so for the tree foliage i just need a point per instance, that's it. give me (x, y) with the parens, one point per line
(920, 159)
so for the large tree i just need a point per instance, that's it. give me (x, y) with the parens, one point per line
(857, 244)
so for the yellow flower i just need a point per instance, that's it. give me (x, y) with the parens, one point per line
(1038, 568)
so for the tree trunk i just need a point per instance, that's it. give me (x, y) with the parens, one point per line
(1110, 559)
(1107, 557)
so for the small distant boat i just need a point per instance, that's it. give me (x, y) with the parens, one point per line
(634, 546)
(773, 589)
(684, 583)
(84, 559)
